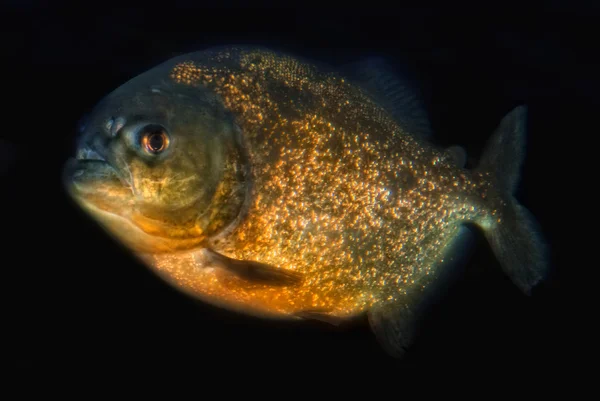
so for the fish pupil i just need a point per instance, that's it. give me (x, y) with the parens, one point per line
(155, 139)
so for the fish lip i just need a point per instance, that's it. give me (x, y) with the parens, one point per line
(75, 167)
(87, 153)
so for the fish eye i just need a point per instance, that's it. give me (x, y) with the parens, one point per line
(154, 138)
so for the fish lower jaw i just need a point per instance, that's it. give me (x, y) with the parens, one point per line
(122, 228)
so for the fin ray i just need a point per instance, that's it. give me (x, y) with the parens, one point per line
(516, 238)
(255, 272)
(397, 323)
(394, 326)
(393, 92)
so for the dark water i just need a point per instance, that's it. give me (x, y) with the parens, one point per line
(77, 302)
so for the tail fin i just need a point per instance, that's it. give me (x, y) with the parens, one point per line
(516, 240)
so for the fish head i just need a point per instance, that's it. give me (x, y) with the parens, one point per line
(149, 162)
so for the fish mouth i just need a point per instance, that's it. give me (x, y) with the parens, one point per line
(88, 165)
(91, 179)
(88, 153)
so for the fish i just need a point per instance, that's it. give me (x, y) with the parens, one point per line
(283, 188)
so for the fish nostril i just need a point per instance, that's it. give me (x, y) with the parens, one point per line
(110, 123)
(114, 125)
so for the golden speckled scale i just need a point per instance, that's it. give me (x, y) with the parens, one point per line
(340, 193)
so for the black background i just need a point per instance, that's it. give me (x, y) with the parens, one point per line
(78, 302)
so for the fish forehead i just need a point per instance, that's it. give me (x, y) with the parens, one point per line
(340, 192)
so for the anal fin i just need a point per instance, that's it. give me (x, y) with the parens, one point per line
(394, 326)
(396, 323)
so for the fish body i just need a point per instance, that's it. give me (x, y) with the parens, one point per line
(263, 183)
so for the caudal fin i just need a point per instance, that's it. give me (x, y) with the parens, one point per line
(516, 238)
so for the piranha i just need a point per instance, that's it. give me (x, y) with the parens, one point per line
(281, 188)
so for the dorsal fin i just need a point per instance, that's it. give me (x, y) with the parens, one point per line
(393, 92)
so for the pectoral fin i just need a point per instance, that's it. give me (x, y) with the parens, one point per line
(254, 272)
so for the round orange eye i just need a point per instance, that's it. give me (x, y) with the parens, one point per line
(154, 139)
